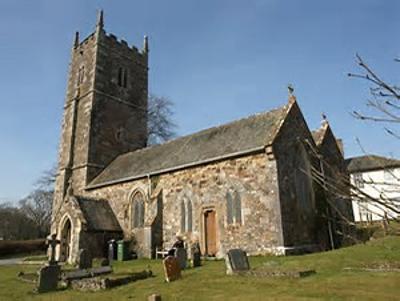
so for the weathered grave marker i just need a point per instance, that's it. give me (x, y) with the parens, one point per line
(85, 259)
(48, 278)
(172, 269)
(196, 255)
(236, 261)
(181, 255)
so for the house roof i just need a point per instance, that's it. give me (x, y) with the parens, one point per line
(98, 215)
(369, 163)
(228, 140)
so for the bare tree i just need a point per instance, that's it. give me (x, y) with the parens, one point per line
(37, 207)
(161, 126)
(385, 97)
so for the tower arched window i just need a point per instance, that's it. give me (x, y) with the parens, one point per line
(233, 208)
(138, 210)
(186, 216)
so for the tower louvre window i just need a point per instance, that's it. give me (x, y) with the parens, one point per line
(122, 77)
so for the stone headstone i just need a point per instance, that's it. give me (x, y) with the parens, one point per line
(181, 255)
(154, 297)
(172, 269)
(236, 261)
(104, 262)
(48, 278)
(196, 255)
(85, 259)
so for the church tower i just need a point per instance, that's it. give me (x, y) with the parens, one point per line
(105, 112)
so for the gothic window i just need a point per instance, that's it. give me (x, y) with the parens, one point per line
(183, 216)
(233, 208)
(238, 209)
(302, 180)
(186, 216)
(138, 210)
(122, 77)
(229, 208)
(189, 216)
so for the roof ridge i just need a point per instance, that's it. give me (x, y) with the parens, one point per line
(206, 130)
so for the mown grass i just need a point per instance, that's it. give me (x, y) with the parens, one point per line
(331, 282)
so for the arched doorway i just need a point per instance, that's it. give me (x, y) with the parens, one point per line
(65, 241)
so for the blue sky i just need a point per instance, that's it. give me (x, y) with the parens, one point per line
(217, 60)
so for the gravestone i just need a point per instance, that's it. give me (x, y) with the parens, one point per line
(172, 269)
(104, 262)
(85, 259)
(196, 255)
(181, 255)
(53, 242)
(48, 278)
(154, 297)
(236, 261)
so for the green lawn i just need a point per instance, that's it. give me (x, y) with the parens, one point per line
(210, 282)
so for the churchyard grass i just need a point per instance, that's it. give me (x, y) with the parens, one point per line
(333, 280)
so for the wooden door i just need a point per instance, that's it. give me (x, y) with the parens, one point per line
(210, 233)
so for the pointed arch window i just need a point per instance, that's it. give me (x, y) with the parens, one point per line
(186, 216)
(138, 210)
(233, 208)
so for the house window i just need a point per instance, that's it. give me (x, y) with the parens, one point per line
(358, 180)
(122, 77)
(138, 210)
(233, 208)
(186, 216)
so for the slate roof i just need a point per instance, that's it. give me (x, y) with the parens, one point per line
(239, 136)
(99, 215)
(369, 163)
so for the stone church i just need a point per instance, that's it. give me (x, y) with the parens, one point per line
(246, 184)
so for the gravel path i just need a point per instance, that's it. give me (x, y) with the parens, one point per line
(10, 261)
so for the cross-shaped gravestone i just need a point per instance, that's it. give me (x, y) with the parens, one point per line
(53, 242)
(236, 261)
(171, 269)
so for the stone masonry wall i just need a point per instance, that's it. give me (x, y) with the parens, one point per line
(254, 177)
(299, 221)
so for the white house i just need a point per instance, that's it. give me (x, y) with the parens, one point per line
(378, 177)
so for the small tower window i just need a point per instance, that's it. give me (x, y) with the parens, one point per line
(122, 77)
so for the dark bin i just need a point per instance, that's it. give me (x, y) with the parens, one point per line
(123, 250)
(112, 250)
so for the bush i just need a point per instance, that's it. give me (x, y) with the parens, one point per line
(11, 247)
